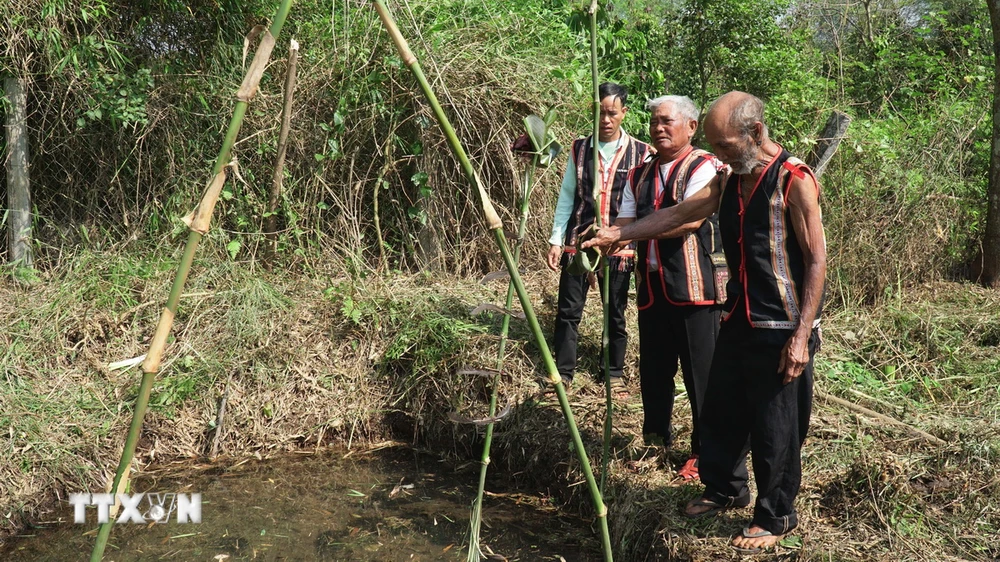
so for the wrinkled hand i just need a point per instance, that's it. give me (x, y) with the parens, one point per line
(617, 247)
(603, 238)
(794, 357)
(553, 257)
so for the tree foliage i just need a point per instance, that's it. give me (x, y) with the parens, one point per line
(128, 99)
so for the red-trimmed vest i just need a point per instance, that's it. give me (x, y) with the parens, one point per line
(683, 272)
(765, 259)
(630, 154)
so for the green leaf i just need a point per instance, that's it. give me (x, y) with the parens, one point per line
(791, 541)
(536, 131)
(356, 494)
(233, 248)
(554, 149)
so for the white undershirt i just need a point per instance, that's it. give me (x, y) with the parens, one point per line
(698, 180)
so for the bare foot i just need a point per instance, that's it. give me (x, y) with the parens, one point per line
(754, 539)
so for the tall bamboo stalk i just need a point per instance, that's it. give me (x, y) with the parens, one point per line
(605, 265)
(198, 223)
(494, 224)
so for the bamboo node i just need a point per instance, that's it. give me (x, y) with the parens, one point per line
(248, 89)
(199, 220)
(159, 343)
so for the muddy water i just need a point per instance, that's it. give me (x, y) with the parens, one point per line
(393, 504)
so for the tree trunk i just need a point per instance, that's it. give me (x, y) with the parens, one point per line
(991, 240)
(18, 192)
(279, 161)
(826, 145)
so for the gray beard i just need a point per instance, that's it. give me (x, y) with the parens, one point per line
(746, 166)
(747, 161)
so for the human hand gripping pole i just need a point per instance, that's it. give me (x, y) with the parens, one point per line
(605, 239)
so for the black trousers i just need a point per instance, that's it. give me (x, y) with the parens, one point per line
(572, 298)
(747, 408)
(669, 333)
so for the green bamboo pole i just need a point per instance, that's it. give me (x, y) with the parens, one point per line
(198, 223)
(605, 265)
(475, 552)
(494, 224)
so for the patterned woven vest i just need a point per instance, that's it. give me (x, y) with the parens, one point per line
(761, 247)
(683, 272)
(629, 155)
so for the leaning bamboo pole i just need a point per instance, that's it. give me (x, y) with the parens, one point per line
(198, 224)
(605, 265)
(494, 224)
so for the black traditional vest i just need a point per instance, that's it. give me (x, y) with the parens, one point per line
(630, 154)
(763, 253)
(684, 273)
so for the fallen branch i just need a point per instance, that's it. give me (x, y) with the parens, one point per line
(880, 417)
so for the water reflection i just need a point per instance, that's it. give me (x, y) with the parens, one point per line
(389, 504)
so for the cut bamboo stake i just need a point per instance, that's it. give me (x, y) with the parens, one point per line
(198, 223)
(18, 176)
(270, 223)
(494, 224)
(605, 265)
(220, 419)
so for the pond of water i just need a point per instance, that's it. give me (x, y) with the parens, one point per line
(392, 504)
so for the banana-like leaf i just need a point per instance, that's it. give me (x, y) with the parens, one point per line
(554, 149)
(537, 131)
(584, 261)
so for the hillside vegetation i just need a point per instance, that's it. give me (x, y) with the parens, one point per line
(356, 329)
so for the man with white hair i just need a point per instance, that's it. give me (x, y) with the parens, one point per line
(759, 395)
(675, 278)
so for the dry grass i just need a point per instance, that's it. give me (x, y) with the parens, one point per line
(335, 362)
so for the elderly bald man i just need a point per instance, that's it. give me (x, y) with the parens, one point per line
(759, 394)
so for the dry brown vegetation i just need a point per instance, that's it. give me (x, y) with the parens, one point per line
(331, 362)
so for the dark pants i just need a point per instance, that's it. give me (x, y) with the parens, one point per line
(668, 333)
(572, 298)
(747, 408)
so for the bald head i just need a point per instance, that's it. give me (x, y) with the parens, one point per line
(734, 126)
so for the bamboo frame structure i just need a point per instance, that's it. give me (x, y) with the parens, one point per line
(475, 553)
(198, 224)
(494, 225)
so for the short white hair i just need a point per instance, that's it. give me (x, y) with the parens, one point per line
(682, 104)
